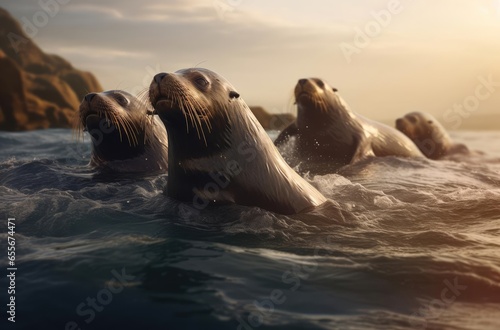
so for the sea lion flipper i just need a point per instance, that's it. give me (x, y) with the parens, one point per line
(286, 134)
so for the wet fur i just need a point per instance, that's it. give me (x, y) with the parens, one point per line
(124, 138)
(429, 135)
(215, 139)
(329, 135)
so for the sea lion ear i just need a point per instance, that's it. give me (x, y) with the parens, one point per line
(334, 89)
(233, 95)
(429, 122)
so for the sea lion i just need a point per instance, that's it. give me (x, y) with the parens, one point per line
(218, 152)
(124, 138)
(329, 135)
(429, 135)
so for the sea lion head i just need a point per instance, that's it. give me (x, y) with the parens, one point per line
(196, 106)
(117, 123)
(426, 132)
(318, 102)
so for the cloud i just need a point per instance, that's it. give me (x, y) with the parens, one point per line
(263, 47)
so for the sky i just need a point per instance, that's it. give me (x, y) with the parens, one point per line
(386, 57)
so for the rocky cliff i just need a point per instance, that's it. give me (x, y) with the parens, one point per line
(37, 90)
(272, 121)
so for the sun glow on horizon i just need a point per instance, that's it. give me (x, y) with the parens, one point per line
(425, 56)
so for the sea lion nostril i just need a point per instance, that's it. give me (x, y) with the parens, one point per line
(89, 97)
(302, 82)
(159, 77)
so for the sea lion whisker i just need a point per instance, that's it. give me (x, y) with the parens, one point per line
(188, 113)
(142, 94)
(146, 126)
(122, 121)
(118, 126)
(105, 116)
(144, 101)
(185, 112)
(193, 110)
(195, 120)
(135, 124)
(205, 115)
(194, 107)
(77, 129)
(141, 153)
(132, 131)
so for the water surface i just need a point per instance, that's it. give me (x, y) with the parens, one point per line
(404, 244)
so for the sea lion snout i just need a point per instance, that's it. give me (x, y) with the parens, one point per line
(309, 85)
(303, 87)
(403, 126)
(163, 94)
(308, 88)
(159, 77)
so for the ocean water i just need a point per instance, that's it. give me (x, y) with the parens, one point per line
(404, 244)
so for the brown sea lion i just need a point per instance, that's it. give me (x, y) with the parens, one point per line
(429, 135)
(218, 152)
(330, 135)
(124, 138)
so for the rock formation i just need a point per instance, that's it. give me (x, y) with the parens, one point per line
(37, 90)
(272, 121)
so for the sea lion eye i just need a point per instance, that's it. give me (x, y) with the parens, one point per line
(334, 89)
(412, 119)
(202, 82)
(320, 83)
(122, 100)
